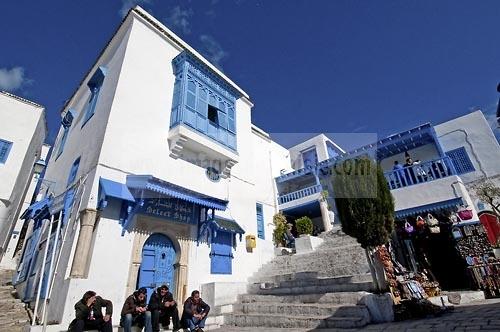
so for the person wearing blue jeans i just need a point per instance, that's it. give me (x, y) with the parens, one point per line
(195, 313)
(134, 312)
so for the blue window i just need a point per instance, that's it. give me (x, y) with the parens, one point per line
(260, 221)
(461, 160)
(66, 122)
(5, 147)
(203, 101)
(310, 157)
(63, 142)
(94, 84)
(221, 254)
(73, 171)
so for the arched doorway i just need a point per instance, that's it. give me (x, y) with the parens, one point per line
(157, 264)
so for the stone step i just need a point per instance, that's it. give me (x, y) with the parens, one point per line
(331, 298)
(301, 309)
(313, 289)
(288, 321)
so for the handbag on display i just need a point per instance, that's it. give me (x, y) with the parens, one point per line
(464, 213)
(408, 228)
(431, 221)
(435, 229)
(420, 222)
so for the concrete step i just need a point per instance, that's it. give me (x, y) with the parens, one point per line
(289, 321)
(312, 289)
(301, 309)
(330, 298)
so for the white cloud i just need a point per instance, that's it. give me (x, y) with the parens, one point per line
(12, 79)
(127, 4)
(213, 50)
(179, 18)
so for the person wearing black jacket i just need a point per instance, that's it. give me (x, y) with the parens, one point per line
(195, 312)
(162, 307)
(134, 312)
(88, 312)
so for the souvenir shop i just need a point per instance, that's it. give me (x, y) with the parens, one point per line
(440, 247)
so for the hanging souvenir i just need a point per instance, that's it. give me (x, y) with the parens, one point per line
(431, 221)
(456, 232)
(408, 228)
(435, 229)
(420, 222)
(464, 213)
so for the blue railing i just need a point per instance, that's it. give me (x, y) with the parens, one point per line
(294, 174)
(299, 194)
(420, 173)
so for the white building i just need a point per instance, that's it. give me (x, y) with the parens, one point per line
(450, 159)
(157, 174)
(22, 132)
(11, 256)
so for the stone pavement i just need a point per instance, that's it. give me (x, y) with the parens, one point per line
(478, 316)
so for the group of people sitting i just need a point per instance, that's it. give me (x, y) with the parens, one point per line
(136, 311)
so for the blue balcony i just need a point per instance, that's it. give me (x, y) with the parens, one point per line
(420, 173)
(286, 198)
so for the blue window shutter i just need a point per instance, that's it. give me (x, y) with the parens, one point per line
(461, 160)
(63, 142)
(260, 221)
(221, 255)
(73, 171)
(5, 147)
(94, 84)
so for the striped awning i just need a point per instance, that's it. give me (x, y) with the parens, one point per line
(150, 183)
(451, 203)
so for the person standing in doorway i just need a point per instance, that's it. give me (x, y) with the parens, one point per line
(135, 313)
(88, 312)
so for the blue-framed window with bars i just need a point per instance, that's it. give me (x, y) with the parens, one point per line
(5, 147)
(260, 221)
(461, 160)
(203, 102)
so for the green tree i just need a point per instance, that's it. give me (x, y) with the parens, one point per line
(366, 208)
(279, 221)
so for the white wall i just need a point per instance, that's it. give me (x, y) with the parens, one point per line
(319, 142)
(22, 123)
(473, 132)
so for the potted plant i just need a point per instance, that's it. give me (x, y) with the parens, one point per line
(304, 226)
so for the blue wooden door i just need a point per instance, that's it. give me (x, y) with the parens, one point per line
(221, 255)
(157, 266)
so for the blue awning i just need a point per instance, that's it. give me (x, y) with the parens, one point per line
(37, 208)
(455, 202)
(228, 225)
(148, 182)
(116, 190)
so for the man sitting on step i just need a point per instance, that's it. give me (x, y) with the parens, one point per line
(162, 307)
(195, 312)
(89, 316)
(134, 312)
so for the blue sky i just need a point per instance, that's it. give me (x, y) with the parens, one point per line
(309, 66)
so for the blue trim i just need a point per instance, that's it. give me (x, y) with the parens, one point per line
(260, 221)
(37, 208)
(109, 188)
(148, 182)
(67, 120)
(429, 208)
(62, 143)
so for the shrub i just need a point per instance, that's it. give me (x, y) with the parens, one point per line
(279, 221)
(304, 225)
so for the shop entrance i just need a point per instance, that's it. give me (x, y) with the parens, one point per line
(157, 264)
